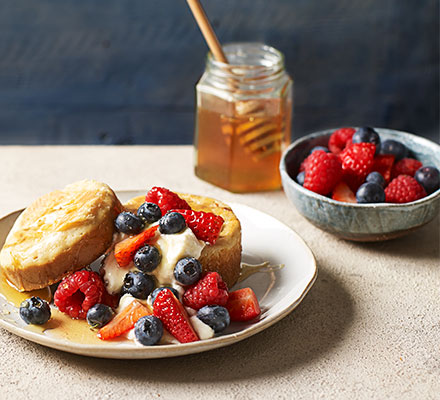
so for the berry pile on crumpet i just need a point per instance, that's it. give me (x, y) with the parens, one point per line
(357, 167)
(163, 278)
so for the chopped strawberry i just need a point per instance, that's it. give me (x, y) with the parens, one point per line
(174, 316)
(383, 164)
(210, 290)
(206, 226)
(340, 139)
(406, 166)
(404, 189)
(243, 305)
(127, 248)
(166, 199)
(342, 192)
(124, 321)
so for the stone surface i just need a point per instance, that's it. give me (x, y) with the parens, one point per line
(368, 329)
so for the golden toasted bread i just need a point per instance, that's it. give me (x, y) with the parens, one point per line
(59, 233)
(224, 256)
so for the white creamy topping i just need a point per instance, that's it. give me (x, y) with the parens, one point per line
(113, 274)
(203, 330)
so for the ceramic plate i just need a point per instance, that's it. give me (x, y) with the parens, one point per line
(279, 291)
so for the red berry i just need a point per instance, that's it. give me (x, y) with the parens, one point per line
(205, 226)
(78, 292)
(210, 290)
(404, 189)
(166, 199)
(340, 139)
(383, 164)
(243, 305)
(343, 193)
(406, 166)
(174, 316)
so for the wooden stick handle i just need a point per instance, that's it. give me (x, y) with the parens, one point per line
(207, 31)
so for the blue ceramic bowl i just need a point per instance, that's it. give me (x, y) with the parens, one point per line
(360, 222)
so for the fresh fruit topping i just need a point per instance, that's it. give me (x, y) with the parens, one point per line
(147, 258)
(157, 290)
(77, 293)
(35, 311)
(124, 321)
(384, 165)
(217, 317)
(300, 178)
(404, 189)
(127, 248)
(366, 135)
(397, 149)
(187, 271)
(111, 300)
(323, 148)
(174, 317)
(243, 305)
(166, 199)
(377, 178)
(370, 193)
(149, 212)
(429, 178)
(357, 162)
(137, 284)
(342, 192)
(406, 166)
(339, 139)
(99, 315)
(209, 290)
(127, 222)
(171, 223)
(148, 330)
(206, 226)
(323, 172)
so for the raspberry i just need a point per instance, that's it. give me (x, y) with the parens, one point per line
(166, 199)
(206, 226)
(210, 290)
(78, 292)
(340, 139)
(404, 189)
(323, 172)
(406, 166)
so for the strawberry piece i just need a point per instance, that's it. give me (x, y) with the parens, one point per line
(210, 290)
(166, 199)
(124, 321)
(174, 316)
(384, 164)
(405, 166)
(127, 248)
(340, 139)
(243, 305)
(342, 192)
(404, 189)
(323, 172)
(205, 226)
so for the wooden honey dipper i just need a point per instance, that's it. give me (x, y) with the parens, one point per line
(259, 135)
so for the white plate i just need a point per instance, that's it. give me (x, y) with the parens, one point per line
(279, 292)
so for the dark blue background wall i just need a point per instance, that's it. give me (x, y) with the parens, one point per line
(123, 71)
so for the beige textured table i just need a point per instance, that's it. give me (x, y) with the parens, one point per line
(368, 329)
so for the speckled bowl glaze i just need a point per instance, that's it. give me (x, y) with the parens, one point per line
(360, 222)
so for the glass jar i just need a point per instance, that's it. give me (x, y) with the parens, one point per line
(243, 120)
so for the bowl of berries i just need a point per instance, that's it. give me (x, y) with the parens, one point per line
(363, 184)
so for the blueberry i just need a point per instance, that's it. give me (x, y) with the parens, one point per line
(216, 317)
(172, 222)
(127, 222)
(149, 212)
(429, 178)
(370, 193)
(376, 177)
(35, 311)
(159, 289)
(300, 178)
(187, 271)
(148, 330)
(99, 315)
(395, 148)
(137, 284)
(147, 258)
(366, 134)
(323, 148)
